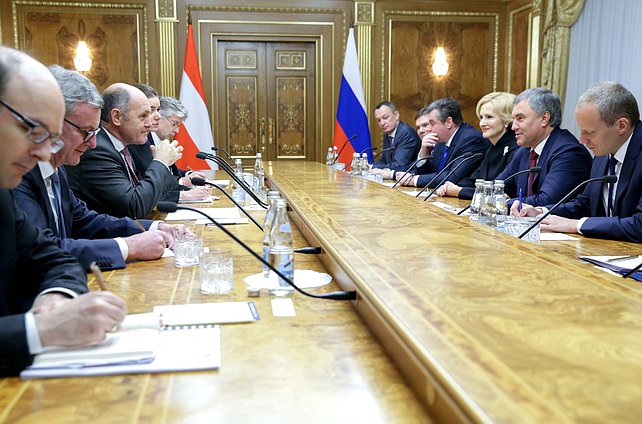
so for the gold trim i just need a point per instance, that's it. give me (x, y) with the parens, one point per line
(364, 13)
(168, 6)
(227, 59)
(364, 53)
(167, 58)
(279, 53)
(509, 53)
(227, 109)
(142, 7)
(305, 116)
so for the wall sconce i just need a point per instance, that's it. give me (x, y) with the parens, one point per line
(440, 66)
(82, 61)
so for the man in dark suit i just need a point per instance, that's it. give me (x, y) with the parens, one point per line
(45, 196)
(399, 137)
(106, 177)
(608, 117)
(564, 162)
(43, 299)
(444, 137)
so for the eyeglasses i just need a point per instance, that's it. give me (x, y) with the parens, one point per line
(86, 135)
(175, 124)
(36, 132)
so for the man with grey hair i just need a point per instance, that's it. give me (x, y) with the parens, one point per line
(564, 162)
(608, 117)
(44, 193)
(106, 177)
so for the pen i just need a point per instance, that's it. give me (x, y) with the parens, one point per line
(521, 197)
(142, 229)
(622, 258)
(98, 275)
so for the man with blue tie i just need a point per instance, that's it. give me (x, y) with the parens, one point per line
(564, 162)
(444, 137)
(608, 117)
(44, 193)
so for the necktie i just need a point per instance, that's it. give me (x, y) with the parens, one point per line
(130, 166)
(392, 141)
(612, 163)
(55, 182)
(531, 177)
(443, 158)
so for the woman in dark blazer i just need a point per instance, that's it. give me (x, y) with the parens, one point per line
(495, 120)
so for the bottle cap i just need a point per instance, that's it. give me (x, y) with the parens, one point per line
(253, 291)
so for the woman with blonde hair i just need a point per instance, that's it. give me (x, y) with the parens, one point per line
(495, 120)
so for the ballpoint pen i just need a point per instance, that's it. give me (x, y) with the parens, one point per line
(98, 275)
(521, 197)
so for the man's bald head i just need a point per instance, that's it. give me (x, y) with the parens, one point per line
(126, 113)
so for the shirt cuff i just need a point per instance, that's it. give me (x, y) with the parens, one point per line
(72, 294)
(154, 226)
(580, 223)
(122, 245)
(166, 166)
(33, 338)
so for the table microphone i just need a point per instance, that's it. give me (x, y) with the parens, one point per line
(475, 156)
(224, 151)
(373, 148)
(412, 165)
(533, 170)
(198, 181)
(607, 179)
(389, 149)
(338, 295)
(343, 147)
(464, 156)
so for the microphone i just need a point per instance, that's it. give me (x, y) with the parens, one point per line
(373, 148)
(389, 149)
(475, 156)
(201, 182)
(338, 295)
(412, 165)
(224, 151)
(343, 147)
(464, 156)
(230, 172)
(606, 179)
(533, 170)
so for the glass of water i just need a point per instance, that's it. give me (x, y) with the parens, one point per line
(216, 271)
(187, 250)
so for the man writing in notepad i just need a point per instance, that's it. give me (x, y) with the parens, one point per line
(43, 291)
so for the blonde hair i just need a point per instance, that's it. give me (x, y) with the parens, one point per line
(502, 105)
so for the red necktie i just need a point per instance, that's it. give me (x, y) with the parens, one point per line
(531, 177)
(129, 164)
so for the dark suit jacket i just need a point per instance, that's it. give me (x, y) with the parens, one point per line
(467, 139)
(29, 264)
(101, 180)
(89, 234)
(407, 145)
(626, 223)
(564, 161)
(143, 157)
(496, 158)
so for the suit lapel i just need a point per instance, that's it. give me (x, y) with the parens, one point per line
(628, 166)
(43, 197)
(597, 199)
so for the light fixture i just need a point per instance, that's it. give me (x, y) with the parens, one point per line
(82, 61)
(440, 66)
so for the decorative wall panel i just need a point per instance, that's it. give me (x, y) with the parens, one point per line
(242, 115)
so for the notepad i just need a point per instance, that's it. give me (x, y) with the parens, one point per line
(206, 314)
(216, 213)
(618, 264)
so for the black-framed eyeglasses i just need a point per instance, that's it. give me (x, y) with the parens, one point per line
(86, 135)
(36, 132)
(175, 124)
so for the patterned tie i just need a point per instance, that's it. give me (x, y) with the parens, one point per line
(612, 163)
(443, 158)
(531, 177)
(55, 182)
(129, 162)
(392, 141)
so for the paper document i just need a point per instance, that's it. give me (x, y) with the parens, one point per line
(208, 199)
(414, 193)
(546, 236)
(447, 207)
(222, 183)
(207, 313)
(216, 213)
(619, 264)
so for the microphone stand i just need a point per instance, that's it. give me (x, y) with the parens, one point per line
(338, 295)
(608, 179)
(464, 156)
(533, 170)
(389, 149)
(343, 147)
(373, 148)
(632, 271)
(412, 165)
(224, 151)
(476, 155)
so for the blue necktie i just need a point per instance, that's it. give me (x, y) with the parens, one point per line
(443, 158)
(612, 162)
(55, 182)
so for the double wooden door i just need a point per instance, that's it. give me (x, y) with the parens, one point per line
(266, 99)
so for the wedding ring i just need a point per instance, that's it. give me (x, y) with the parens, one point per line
(114, 328)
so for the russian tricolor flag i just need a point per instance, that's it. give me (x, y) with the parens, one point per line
(351, 112)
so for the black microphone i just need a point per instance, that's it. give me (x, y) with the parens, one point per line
(230, 172)
(338, 295)
(201, 182)
(405, 173)
(606, 179)
(343, 147)
(475, 156)
(533, 170)
(389, 149)
(464, 156)
(373, 148)
(224, 151)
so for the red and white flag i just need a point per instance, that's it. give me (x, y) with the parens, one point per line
(196, 132)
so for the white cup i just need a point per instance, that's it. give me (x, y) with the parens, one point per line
(217, 271)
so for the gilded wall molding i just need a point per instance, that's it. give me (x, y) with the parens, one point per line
(509, 55)
(142, 23)
(386, 19)
(166, 22)
(166, 10)
(364, 22)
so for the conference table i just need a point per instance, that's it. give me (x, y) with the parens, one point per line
(453, 322)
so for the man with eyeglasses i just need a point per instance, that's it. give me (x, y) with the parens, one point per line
(172, 114)
(43, 291)
(51, 205)
(106, 177)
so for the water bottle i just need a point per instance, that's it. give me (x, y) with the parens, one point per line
(475, 203)
(501, 210)
(238, 193)
(487, 208)
(355, 166)
(335, 154)
(272, 197)
(365, 165)
(329, 157)
(258, 178)
(281, 251)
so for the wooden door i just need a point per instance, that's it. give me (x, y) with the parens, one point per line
(266, 101)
